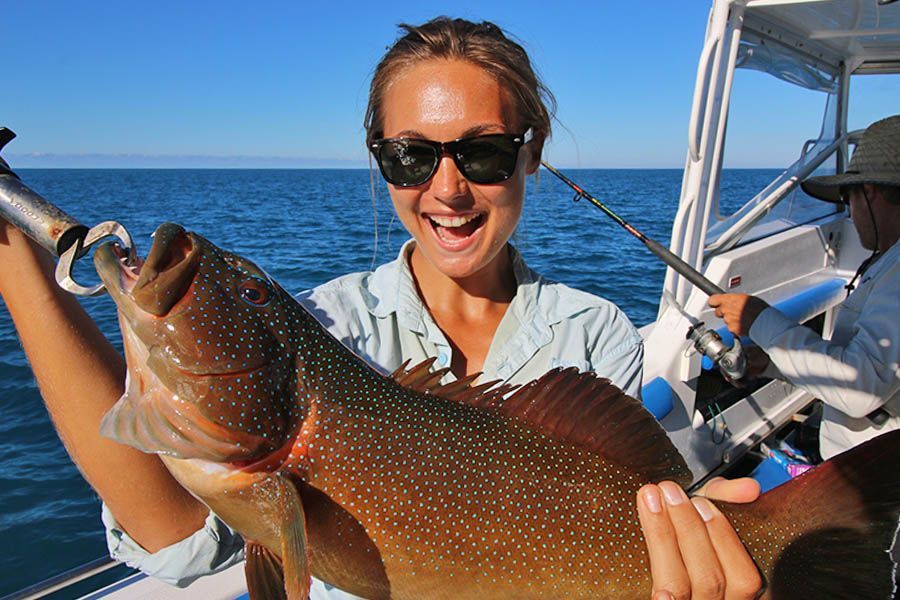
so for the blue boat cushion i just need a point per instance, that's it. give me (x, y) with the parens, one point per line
(658, 397)
(800, 307)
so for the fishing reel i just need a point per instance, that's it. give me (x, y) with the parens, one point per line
(730, 360)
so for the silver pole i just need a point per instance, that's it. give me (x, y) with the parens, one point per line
(23, 207)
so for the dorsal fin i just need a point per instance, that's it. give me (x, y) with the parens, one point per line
(570, 406)
(422, 379)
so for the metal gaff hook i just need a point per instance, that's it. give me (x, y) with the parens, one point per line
(80, 248)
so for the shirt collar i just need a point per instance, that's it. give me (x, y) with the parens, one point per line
(882, 262)
(391, 289)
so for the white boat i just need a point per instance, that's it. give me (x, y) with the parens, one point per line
(794, 252)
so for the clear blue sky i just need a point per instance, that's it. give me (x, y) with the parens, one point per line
(278, 83)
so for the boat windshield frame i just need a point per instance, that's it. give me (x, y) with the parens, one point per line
(782, 205)
(817, 46)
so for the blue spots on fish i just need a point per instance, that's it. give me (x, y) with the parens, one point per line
(438, 485)
(229, 335)
(493, 494)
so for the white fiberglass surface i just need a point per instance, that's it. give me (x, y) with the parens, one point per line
(836, 30)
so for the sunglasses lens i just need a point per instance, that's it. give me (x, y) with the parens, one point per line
(482, 159)
(407, 162)
(487, 159)
(845, 193)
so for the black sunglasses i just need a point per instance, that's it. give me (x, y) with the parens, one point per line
(491, 158)
(845, 191)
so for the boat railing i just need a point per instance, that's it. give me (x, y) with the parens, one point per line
(784, 185)
(63, 580)
(701, 85)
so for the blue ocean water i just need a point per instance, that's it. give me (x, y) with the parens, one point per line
(304, 227)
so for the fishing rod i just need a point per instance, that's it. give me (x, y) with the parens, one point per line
(731, 360)
(667, 256)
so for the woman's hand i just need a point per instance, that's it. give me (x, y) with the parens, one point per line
(694, 551)
(739, 311)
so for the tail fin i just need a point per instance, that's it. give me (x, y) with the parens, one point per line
(828, 533)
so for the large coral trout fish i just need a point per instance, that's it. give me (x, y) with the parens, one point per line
(400, 487)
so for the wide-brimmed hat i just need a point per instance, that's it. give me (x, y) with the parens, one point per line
(875, 160)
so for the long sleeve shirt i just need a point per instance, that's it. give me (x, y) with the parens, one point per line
(856, 371)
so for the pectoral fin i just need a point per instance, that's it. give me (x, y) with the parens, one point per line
(294, 551)
(288, 577)
(265, 577)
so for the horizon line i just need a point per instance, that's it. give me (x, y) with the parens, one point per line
(41, 160)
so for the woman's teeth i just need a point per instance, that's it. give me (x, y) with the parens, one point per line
(455, 228)
(444, 221)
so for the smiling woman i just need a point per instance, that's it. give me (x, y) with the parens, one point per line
(457, 120)
(459, 260)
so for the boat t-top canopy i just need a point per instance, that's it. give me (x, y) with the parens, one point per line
(863, 35)
(815, 44)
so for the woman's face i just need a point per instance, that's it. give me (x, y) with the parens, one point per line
(460, 227)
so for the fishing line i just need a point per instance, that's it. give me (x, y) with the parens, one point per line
(717, 422)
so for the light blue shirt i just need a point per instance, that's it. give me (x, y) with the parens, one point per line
(380, 316)
(854, 372)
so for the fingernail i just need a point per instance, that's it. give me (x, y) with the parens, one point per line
(652, 500)
(663, 595)
(704, 507)
(674, 494)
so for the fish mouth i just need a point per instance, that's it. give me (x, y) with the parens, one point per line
(155, 284)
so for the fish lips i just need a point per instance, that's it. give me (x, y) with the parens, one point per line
(163, 278)
(168, 271)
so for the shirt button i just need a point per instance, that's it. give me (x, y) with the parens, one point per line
(442, 358)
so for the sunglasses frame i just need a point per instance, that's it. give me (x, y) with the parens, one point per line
(845, 191)
(450, 148)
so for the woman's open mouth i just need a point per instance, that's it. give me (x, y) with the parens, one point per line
(455, 230)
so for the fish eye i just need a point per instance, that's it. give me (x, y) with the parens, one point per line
(255, 291)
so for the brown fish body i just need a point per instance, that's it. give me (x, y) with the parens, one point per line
(462, 502)
(412, 490)
(456, 501)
